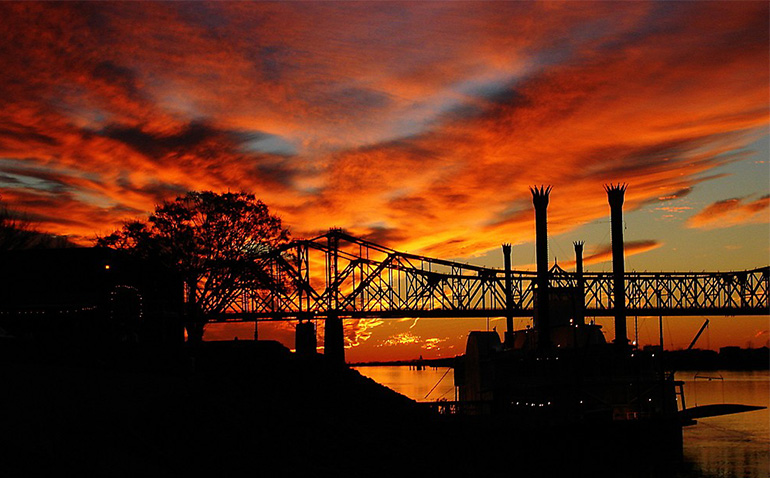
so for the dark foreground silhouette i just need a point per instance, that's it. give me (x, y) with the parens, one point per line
(252, 408)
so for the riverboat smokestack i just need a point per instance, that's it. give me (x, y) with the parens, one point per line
(580, 316)
(541, 319)
(508, 296)
(616, 195)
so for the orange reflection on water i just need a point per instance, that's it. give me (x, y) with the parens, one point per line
(730, 445)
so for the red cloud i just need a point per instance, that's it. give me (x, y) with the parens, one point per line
(425, 137)
(604, 253)
(731, 212)
(630, 248)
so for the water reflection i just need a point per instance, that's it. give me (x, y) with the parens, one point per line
(731, 445)
(415, 384)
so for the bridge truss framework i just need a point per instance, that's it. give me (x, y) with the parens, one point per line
(344, 276)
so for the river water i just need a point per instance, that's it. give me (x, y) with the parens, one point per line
(730, 446)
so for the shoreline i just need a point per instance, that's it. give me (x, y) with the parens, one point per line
(728, 358)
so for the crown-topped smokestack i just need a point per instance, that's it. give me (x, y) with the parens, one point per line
(616, 195)
(541, 322)
(580, 316)
(508, 295)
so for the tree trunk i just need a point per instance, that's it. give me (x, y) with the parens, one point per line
(193, 322)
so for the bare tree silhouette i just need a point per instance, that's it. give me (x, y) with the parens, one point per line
(213, 240)
(18, 233)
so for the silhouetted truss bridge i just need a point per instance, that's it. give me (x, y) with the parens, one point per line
(346, 276)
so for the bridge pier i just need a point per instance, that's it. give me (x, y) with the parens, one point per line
(334, 339)
(305, 341)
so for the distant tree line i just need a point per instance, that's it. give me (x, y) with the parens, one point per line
(728, 358)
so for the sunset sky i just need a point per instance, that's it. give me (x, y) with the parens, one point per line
(416, 125)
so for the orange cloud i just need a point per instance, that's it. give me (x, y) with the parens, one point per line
(732, 212)
(408, 338)
(360, 117)
(604, 253)
(358, 331)
(401, 339)
(630, 248)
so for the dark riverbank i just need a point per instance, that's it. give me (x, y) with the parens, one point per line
(224, 408)
(246, 408)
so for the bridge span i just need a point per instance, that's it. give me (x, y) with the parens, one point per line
(336, 276)
(339, 274)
